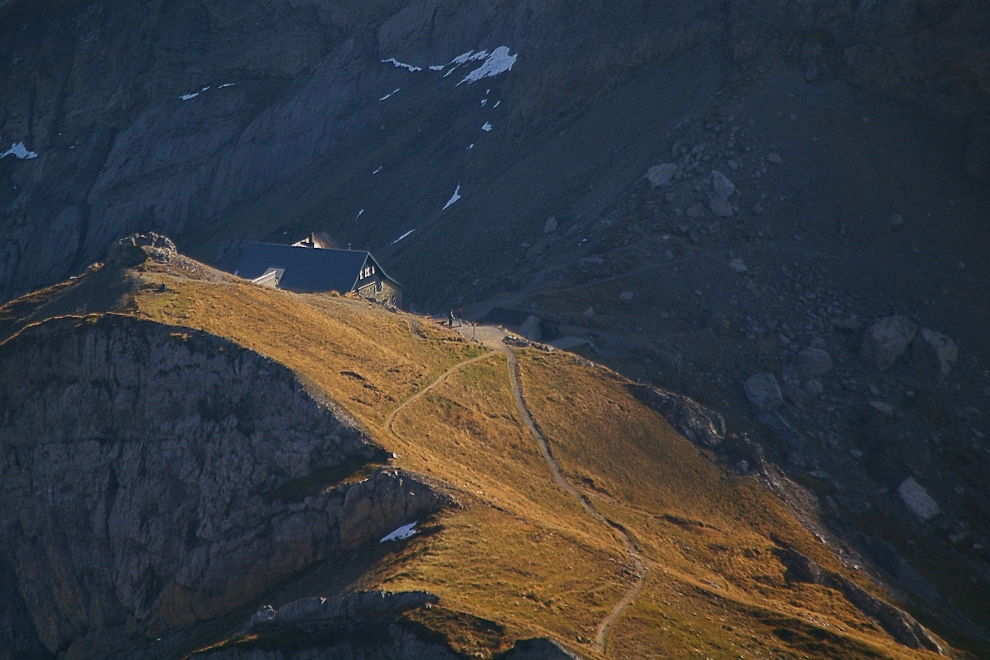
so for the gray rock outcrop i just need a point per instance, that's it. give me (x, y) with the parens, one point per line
(133, 250)
(147, 477)
(886, 340)
(704, 428)
(701, 426)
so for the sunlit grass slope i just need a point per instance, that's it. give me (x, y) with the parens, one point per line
(519, 556)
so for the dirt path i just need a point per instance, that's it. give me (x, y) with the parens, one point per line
(638, 564)
(418, 395)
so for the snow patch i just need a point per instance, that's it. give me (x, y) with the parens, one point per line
(497, 103)
(484, 102)
(487, 127)
(437, 67)
(225, 85)
(186, 97)
(360, 213)
(389, 95)
(406, 235)
(19, 151)
(469, 56)
(378, 170)
(456, 196)
(470, 147)
(499, 62)
(205, 88)
(402, 65)
(464, 58)
(401, 534)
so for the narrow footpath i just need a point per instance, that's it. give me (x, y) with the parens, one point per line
(492, 338)
(418, 395)
(638, 564)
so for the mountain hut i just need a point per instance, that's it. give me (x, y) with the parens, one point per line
(312, 269)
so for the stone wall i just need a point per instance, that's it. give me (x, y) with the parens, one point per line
(382, 291)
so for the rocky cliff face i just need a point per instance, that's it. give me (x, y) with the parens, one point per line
(362, 625)
(153, 477)
(168, 115)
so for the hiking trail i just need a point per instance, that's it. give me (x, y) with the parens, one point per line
(638, 564)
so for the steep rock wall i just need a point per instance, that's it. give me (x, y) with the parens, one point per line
(137, 470)
(94, 89)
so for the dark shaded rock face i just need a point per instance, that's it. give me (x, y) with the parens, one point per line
(365, 624)
(978, 149)
(383, 641)
(901, 625)
(274, 87)
(17, 633)
(146, 477)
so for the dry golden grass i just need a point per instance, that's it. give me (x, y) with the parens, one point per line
(365, 359)
(519, 557)
(709, 534)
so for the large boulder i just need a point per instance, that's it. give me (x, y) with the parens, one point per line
(886, 340)
(814, 361)
(917, 499)
(721, 185)
(934, 353)
(720, 207)
(661, 175)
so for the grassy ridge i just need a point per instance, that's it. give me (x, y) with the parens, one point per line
(520, 557)
(710, 535)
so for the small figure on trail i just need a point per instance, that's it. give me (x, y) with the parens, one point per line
(450, 318)
(460, 317)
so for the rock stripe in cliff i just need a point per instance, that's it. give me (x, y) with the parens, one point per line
(137, 463)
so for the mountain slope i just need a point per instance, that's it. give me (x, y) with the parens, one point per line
(518, 555)
(188, 117)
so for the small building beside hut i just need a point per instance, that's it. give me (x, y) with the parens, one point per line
(522, 323)
(308, 267)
